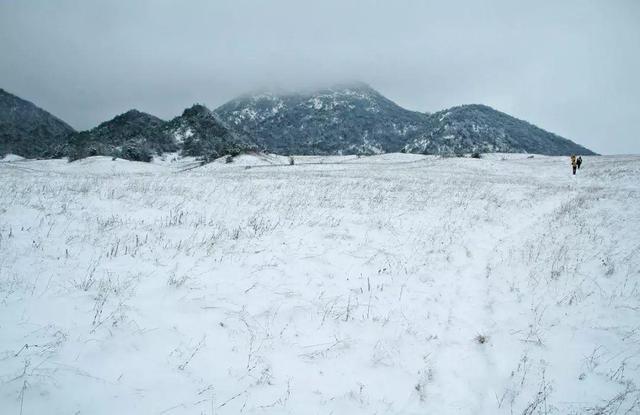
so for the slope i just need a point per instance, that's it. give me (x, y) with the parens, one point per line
(29, 131)
(479, 128)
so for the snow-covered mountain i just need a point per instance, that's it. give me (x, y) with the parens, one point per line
(197, 132)
(28, 130)
(479, 128)
(345, 119)
(355, 118)
(139, 136)
(134, 135)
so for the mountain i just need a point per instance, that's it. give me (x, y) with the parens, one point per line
(345, 119)
(29, 131)
(355, 118)
(479, 128)
(134, 135)
(198, 132)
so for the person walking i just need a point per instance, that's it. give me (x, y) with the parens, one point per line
(579, 162)
(574, 163)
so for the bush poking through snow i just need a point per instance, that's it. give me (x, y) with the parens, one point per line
(481, 339)
(177, 281)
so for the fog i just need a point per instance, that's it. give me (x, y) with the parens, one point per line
(569, 67)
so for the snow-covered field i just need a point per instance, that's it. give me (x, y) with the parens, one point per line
(396, 284)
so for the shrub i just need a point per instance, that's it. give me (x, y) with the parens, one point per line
(481, 339)
(136, 152)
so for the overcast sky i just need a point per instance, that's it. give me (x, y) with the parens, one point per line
(570, 67)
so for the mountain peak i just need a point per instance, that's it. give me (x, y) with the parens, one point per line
(196, 110)
(274, 93)
(133, 113)
(352, 86)
(131, 122)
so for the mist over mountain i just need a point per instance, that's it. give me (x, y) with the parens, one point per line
(28, 130)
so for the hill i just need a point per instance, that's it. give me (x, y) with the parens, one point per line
(198, 133)
(29, 131)
(345, 119)
(134, 135)
(479, 128)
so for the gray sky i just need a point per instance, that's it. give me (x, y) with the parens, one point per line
(570, 67)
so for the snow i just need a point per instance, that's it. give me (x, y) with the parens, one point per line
(182, 133)
(395, 283)
(101, 165)
(443, 116)
(276, 108)
(316, 103)
(249, 113)
(249, 160)
(11, 157)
